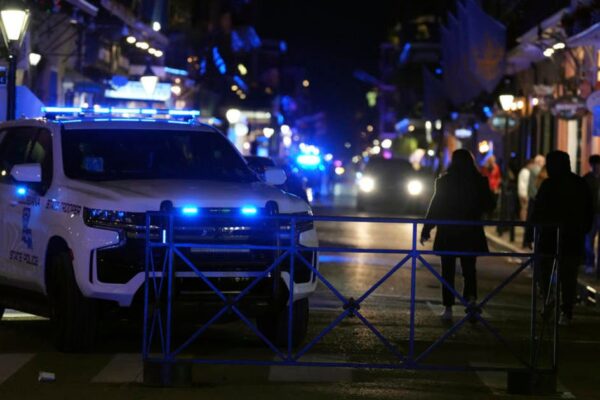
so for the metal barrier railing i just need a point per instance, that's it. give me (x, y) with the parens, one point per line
(161, 277)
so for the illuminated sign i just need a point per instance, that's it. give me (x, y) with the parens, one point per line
(134, 90)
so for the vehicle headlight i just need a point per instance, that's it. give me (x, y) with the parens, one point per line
(366, 184)
(414, 187)
(112, 218)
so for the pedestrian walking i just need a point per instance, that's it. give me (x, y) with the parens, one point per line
(592, 179)
(535, 170)
(564, 200)
(491, 171)
(460, 194)
(523, 189)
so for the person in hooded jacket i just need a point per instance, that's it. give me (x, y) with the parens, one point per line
(563, 200)
(460, 194)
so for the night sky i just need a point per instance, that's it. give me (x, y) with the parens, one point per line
(331, 39)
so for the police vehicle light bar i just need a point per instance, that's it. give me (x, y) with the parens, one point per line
(120, 111)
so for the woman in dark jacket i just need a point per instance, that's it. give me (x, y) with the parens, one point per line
(460, 194)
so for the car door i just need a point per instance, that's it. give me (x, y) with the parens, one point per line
(22, 244)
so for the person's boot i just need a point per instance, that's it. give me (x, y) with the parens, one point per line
(446, 315)
(564, 319)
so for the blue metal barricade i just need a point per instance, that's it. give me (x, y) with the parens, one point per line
(164, 252)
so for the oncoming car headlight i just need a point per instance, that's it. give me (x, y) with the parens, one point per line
(366, 184)
(414, 187)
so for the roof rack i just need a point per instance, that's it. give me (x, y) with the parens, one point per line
(59, 113)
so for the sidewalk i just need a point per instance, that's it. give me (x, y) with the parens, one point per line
(589, 285)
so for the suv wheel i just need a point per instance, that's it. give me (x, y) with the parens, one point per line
(274, 325)
(73, 316)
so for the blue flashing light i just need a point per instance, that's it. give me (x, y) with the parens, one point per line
(438, 71)
(189, 210)
(116, 110)
(249, 210)
(101, 119)
(308, 160)
(21, 190)
(121, 112)
(454, 115)
(61, 110)
(71, 121)
(191, 113)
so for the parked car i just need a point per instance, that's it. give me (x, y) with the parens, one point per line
(75, 193)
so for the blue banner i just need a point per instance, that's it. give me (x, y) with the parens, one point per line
(487, 46)
(470, 85)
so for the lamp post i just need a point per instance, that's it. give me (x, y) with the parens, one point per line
(15, 18)
(506, 102)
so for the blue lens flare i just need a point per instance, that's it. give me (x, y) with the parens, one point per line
(21, 191)
(249, 210)
(189, 210)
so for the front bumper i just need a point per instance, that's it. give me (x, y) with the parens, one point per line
(118, 272)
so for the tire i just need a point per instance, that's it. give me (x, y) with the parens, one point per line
(1, 312)
(73, 317)
(275, 325)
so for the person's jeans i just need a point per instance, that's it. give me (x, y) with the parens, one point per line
(591, 258)
(467, 264)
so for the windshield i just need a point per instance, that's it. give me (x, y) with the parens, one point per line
(106, 155)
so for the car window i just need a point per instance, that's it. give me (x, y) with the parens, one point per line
(41, 153)
(15, 149)
(104, 155)
(388, 167)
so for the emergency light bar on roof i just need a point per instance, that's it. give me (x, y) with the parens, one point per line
(58, 112)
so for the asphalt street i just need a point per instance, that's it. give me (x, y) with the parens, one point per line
(114, 369)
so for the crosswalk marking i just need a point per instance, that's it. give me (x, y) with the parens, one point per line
(122, 368)
(11, 363)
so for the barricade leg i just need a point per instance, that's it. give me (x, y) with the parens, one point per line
(161, 373)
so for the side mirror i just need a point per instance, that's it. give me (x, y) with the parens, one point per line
(27, 173)
(275, 176)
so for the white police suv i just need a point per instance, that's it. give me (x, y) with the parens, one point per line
(74, 193)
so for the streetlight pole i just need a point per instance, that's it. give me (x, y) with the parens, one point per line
(15, 18)
(11, 86)
(506, 102)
